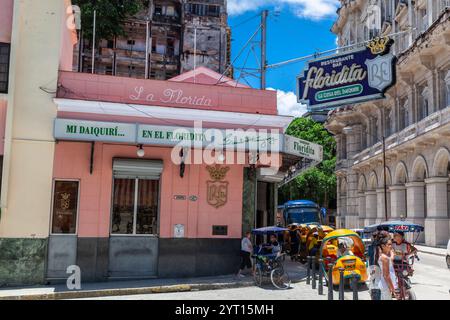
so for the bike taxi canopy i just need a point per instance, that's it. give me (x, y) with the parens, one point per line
(358, 245)
(269, 230)
(394, 226)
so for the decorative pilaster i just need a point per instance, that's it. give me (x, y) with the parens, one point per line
(398, 202)
(415, 193)
(381, 216)
(437, 221)
(371, 207)
(361, 208)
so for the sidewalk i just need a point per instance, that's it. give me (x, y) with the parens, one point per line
(135, 287)
(432, 250)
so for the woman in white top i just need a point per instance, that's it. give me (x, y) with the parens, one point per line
(388, 281)
(246, 252)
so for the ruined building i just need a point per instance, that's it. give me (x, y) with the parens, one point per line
(171, 27)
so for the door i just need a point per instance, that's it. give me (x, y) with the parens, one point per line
(133, 250)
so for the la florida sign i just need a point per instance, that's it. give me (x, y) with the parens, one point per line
(348, 77)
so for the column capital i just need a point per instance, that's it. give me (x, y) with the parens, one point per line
(371, 193)
(436, 180)
(397, 188)
(381, 190)
(415, 184)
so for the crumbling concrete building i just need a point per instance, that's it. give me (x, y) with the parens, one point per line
(166, 39)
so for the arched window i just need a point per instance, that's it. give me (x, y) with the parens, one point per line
(447, 89)
(363, 138)
(425, 102)
(405, 108)
(388, 117)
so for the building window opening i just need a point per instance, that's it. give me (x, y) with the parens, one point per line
(65, 207)
(158, 10)
(425, 103)
(135, 206)
(447, 90)
(4, 66)
(213, 11)
(404, 114)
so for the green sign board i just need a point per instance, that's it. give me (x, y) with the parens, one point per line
(78, 130)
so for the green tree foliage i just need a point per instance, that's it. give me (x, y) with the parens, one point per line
(317, 184)
(110, 15)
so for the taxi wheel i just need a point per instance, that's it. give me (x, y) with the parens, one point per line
(258, 277)
(448, 261)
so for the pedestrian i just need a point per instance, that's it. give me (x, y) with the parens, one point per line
(388, 280)
(402, 250)
(246, 252)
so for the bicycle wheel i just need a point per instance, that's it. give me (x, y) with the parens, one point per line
(280, 279)
(410, 295)
(258, 277)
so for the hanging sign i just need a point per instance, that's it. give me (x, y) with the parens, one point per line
(302, 148)
(348, 77)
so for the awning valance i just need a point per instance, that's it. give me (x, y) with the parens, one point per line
(220, 139)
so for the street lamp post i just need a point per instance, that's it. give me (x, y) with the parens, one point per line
(385, 184)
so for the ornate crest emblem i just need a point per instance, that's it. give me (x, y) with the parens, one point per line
(217, 189)
(379, 45)
(380, 74)
(65, 201)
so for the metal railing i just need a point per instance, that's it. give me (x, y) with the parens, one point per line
(433, 121)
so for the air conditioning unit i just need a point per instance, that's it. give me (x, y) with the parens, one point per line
(270, 175)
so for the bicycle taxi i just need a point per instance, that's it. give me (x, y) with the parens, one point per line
(344, 249)
(268, 263)
(404, 269)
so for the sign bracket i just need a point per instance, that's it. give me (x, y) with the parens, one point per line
(91, 163)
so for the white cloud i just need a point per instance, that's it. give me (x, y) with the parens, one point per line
(288, 105)
(310, 9)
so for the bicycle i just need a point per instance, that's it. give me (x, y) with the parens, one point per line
(271, 266)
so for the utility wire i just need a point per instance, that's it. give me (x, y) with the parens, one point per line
(318, 54)
(240, 52)
(244, 22)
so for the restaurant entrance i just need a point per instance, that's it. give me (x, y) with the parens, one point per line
(133, 248)
(265, 206)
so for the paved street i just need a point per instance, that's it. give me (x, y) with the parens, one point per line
(431, 282)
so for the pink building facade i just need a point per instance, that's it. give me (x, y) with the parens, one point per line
(130, 200)
(148, 178)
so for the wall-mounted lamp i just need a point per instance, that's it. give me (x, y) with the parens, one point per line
(141, 151)
(221, 157)
(183, 154)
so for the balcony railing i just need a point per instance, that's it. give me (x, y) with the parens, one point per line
(431, 122)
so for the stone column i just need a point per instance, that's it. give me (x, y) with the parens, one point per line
(371, 208)
(361, 209)
(398, 202)
(353, 148)
(437, 221)
(381, 217)
(416, 204)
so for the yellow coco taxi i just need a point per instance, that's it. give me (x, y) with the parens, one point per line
(345, 249)
(309, 241)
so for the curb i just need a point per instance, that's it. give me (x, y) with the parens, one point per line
(433, 253)
(131, 291)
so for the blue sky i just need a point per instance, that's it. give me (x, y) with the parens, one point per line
(296, 28)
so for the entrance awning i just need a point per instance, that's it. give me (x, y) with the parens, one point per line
(122, 112)
(128, 168)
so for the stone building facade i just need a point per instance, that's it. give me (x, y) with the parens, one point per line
(172, 28)
(413, 121)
